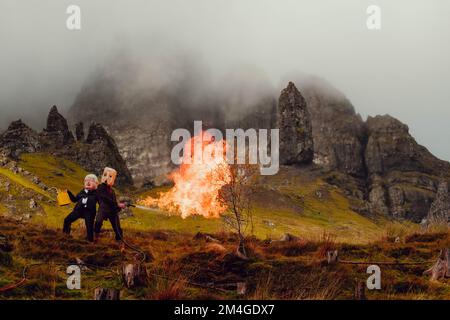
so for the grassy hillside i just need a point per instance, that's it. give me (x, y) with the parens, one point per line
(55, 172)
(296, 201)
(186, 268)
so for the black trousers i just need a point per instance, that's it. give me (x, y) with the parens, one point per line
(113, 219)
(88, 220)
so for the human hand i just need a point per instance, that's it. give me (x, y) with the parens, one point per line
(122, 205)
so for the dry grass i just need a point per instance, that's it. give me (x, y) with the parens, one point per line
(184, 267)
(315, 286)
(398, 230)
(327, 242)
(169, 289)
(167, 282)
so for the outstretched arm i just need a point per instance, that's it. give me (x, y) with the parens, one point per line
(72, 197)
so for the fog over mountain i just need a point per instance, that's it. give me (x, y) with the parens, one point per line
(204, 47)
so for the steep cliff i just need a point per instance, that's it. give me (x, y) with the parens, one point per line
(403, 176)
(338, 132)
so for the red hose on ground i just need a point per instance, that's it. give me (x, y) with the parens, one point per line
(13, 286)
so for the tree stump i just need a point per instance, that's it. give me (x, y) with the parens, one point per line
(241, 252)
(205, 236)
(287, 237)
(441, 269)
(106, 294)
(5, 245)
(360, 290)
(241, 288)
(332, 256)
(134, 275)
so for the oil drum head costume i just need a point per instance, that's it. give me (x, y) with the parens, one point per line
(109, 176)
(108, 208)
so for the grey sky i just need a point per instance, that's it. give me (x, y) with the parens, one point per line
(403, 69)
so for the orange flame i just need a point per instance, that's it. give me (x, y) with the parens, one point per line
(197, 181)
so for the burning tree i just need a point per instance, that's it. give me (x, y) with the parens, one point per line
(236, 195)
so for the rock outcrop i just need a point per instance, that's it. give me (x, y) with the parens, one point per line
(296, 141)
(19, 138)
(338, 132)
(103, 152)
(440, 208)
(402, 176)
(390, 147)
(79, 131)
(57, 133)
(98, 151)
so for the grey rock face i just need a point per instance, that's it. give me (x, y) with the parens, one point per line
(391, 147)
(397, 201)
(296, 142)
(19, 138)
(147, 153)
(101, 151)
(79, 131)
(408, 172)
(378, 198)
(338, 132)
(440, 208)
(57, 131)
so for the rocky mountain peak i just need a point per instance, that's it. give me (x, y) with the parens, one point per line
(103, 152)
(294, 122)
(386, 124)
(98, 133)
(402, 175)
(19, 138)
(19, 126)
(338, 132)
(98, 151)
(391, 147)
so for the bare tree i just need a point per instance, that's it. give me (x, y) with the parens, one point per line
(236, 194)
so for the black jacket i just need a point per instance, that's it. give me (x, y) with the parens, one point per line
(85, 201)
(107, 200)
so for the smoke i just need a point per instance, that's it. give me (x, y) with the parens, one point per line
(229, 53)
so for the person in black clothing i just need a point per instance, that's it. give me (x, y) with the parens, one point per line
(108, 207)
(85, 208)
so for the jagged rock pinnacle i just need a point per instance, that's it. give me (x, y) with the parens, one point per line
(296, 142)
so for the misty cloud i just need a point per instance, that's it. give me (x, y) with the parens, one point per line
(205, 47)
